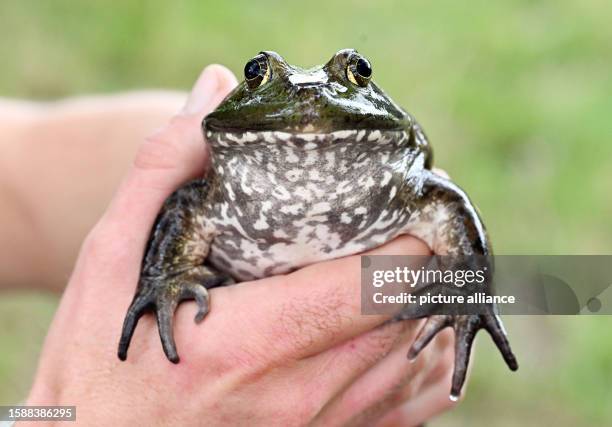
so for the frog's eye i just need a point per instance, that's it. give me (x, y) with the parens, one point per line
(256, 71)
(358, 70)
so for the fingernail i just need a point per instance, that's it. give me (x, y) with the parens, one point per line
(203, 91)
(441, 173)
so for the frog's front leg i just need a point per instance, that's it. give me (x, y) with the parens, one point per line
(448, 222)
(173, 267)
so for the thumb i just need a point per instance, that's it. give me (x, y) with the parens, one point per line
(209, 90)
(165, 160)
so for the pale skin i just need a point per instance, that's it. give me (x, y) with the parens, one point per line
(287, 350)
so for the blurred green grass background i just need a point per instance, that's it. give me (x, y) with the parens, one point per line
(516, 98)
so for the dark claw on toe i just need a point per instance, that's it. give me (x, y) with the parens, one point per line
(200, 295)
(164, 313)
(466, 327)
(495, 328)
(141, 302)
(433, 325)
(163, 296)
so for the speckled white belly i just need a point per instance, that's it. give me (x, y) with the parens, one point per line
(304, 202)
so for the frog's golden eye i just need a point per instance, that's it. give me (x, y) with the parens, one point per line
(257, 71)
(358, 70)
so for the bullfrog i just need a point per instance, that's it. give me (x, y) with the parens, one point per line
(307, 165)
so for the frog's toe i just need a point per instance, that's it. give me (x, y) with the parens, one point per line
(162, 295)
(495, 328)
(465, 331)
(433, 325)
(200, 295)
(142, 301)
(466, 327)
(164, 312)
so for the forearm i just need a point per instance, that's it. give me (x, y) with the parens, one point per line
(59, 165)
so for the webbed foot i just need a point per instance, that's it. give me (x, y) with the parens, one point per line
(162, 294)
(466, 327)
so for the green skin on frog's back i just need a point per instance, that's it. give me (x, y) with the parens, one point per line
(307, 165)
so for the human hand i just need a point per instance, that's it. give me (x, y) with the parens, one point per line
(286, 350)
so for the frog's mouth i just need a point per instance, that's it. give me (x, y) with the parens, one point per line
(303, 140)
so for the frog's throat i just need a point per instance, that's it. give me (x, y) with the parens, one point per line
(305, 141)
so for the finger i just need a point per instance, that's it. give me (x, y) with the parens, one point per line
(303, 313)
(207, 92)
(391, 381)
(347, 363)
(420, 407)
(173, 155)
(164, 161)
(418, 401)
(440, 172)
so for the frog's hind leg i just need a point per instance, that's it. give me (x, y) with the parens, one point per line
(173, 268)
(466, 327)
(447, 221)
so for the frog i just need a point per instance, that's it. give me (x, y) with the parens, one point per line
(308, 165)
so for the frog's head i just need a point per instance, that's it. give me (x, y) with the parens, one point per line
(279, 99)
